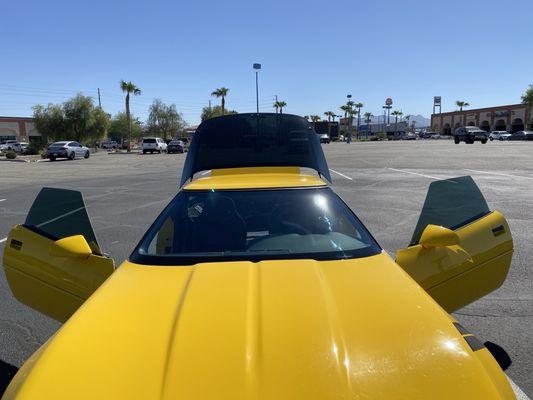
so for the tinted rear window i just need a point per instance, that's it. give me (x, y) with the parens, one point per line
(149, 141)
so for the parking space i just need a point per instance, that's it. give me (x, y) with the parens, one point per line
(385, 183)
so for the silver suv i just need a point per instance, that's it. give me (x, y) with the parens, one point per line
(151, 145)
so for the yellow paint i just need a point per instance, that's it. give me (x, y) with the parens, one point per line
(293, 329)
(71, 246)
(255, 178)
(55, 286)
(459, 274)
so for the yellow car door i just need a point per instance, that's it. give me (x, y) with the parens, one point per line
(460, 250)
(53, 262)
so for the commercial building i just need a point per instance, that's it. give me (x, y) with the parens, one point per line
(18, 128)
(510, 118)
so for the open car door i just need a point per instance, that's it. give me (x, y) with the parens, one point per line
(53, 262)
(460, 250)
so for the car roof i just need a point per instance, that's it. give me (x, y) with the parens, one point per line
(252, 140)
(255, 178)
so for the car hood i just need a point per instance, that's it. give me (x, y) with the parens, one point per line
(298, 329)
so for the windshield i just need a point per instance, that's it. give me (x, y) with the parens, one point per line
(58, 144)
(149, 140)
(472, 128)
(202, 226)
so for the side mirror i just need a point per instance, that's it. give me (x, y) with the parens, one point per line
(438, 236)
(71, 246)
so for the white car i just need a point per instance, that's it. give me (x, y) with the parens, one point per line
(67, 149)
(8, 145)
(154, 145)
(499, 135)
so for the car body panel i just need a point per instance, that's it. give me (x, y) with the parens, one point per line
(55, 286)
(257, 177)
(457, 275)
(271, 330)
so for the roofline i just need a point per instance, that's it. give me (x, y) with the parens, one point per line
(466, 111)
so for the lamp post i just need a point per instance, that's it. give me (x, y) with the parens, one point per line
(349, 139)
(257, 67)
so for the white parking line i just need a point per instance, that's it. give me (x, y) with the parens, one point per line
(338, 173)
(498, 173)
(2, 200)
(3, 240)
(520, 395)
(416, 173)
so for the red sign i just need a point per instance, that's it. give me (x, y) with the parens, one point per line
(388, 101)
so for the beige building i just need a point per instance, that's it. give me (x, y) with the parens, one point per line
(511, 118)
(18, 128)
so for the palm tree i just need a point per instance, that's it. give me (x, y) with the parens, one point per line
(314, 118)
(358, 106)
(527, 99)
(222, 93)
(281, 104)
(329, 114)
(461, 104)
(129, 88)
(396, 114)
(368, 120)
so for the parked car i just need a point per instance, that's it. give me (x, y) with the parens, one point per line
(434, 136)
(154, 145)
(521, 135)
(67, 149)
(324, 138)
(499, 135)
(408, 136)
(470, 134)
(110, 145)
(176, 146)
(8, 145)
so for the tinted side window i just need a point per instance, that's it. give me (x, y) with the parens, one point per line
(59, 213)
(451, 203)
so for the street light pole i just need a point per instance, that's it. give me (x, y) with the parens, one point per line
(257, 67)
(349, 140)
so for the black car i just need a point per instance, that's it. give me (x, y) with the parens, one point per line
(521, 135)
(470, 134)
(176, 146)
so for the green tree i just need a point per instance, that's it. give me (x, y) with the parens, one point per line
(368, 121)
(358, 107)
(527, 99)
(314, 119)
(118, 128)
(329, 114)
(216, 111)
(221, 93)
(49, 121)
(76, 119)
(461, 104)
(129, 88)
(280, 105)
(164, 120)
(396, 114)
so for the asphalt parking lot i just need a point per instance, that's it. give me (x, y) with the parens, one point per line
(385, 183)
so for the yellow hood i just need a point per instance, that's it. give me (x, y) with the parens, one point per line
(299, 329)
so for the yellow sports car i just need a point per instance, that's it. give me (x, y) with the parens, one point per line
(258, 282)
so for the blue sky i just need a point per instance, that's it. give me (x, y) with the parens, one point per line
(313, 53)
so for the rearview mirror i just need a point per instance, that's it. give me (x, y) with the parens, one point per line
(71, 246)
(438, 236)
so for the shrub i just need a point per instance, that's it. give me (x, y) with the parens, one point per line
(11, 155)
(34, 148)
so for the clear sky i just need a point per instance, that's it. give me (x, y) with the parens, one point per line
(313, 53)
